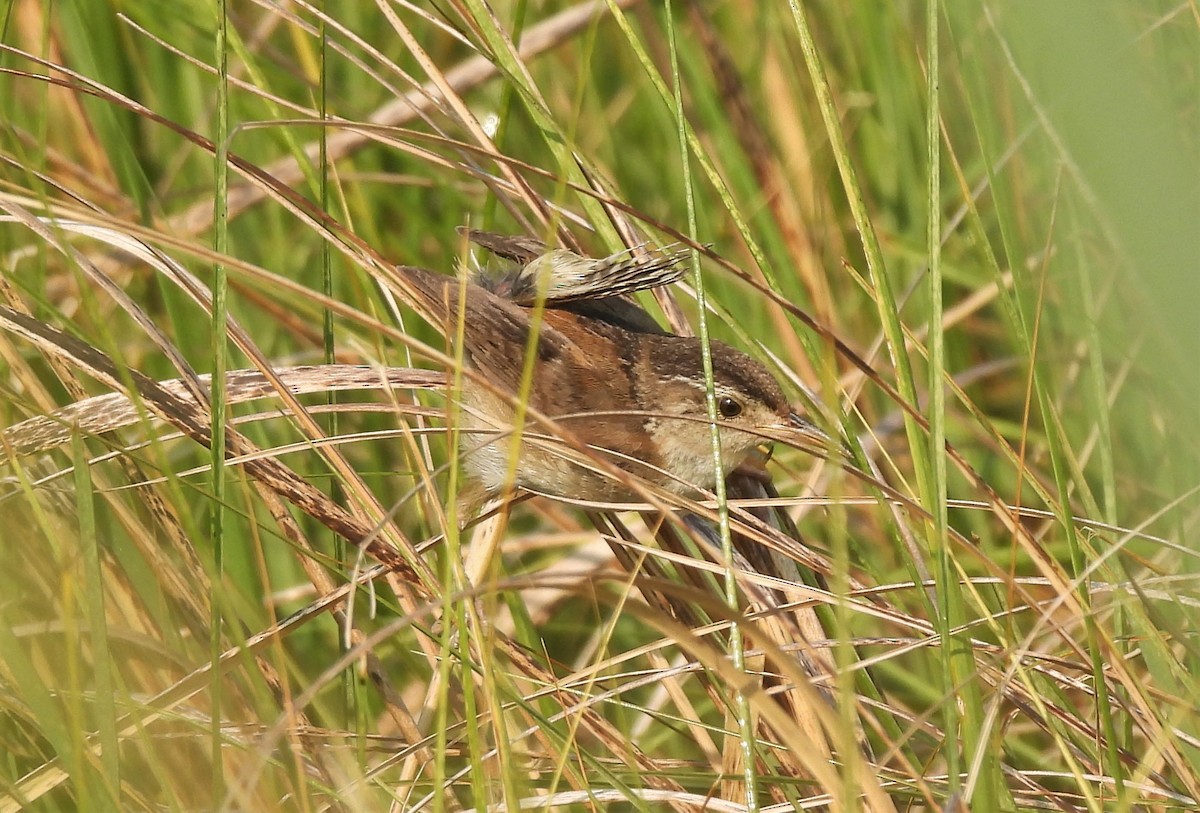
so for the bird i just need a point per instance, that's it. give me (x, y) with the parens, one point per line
(611, 384)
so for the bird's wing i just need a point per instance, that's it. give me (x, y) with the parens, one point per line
(497, 330)
(566, 276)
(517, 248)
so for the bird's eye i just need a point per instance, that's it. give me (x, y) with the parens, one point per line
(729, 408)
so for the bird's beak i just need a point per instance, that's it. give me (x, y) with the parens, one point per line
(799, 424)
(798, 433)
(803, 434)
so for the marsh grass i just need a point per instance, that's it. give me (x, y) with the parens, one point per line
(986, 603)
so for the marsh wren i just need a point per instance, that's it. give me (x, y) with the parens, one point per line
(604, 372)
